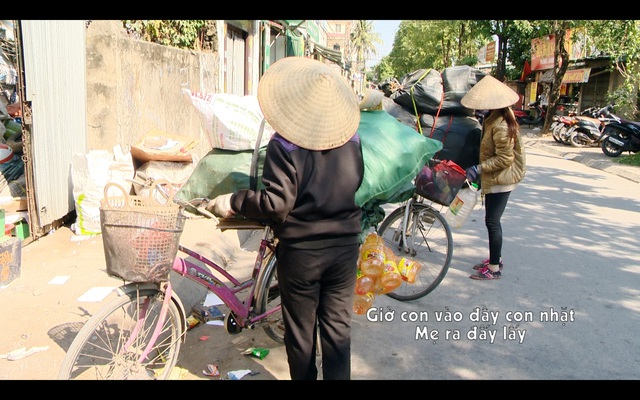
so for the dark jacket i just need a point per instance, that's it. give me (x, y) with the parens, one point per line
(308, 195)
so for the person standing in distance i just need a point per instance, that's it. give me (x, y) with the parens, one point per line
(502, 163)
(312, 170)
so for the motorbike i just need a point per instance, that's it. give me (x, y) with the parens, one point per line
(520, 114)
(534, 116)
(589, 127)
(561, 128)
(620, 136)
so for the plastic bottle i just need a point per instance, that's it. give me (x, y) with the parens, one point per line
(462, 205)
(362, 302)
(408, 269)
(390, 278)
(371, 261)
(364, 283)
(377, 286)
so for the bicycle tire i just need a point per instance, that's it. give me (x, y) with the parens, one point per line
(431, 245)
(274, 325)
(95, 353)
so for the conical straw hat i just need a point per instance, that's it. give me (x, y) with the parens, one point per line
(372, 100)
(308, 103)
(489, 94)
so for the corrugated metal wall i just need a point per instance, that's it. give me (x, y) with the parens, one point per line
(55, 84)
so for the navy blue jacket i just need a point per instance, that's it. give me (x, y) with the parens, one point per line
(309, 196)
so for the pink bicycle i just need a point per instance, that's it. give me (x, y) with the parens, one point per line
(138, 334)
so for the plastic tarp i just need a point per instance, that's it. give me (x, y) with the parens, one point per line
(460, 136)
(426, 91)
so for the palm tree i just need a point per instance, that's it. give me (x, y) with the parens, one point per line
(363, 40)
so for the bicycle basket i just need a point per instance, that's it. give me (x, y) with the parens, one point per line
(440, 181)
(140, 235)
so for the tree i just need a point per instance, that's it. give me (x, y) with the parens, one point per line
(513, 41)
(620, 40)
(363, 40)
(559, 29)
(560, 64)
(184, 34)
(434, 44)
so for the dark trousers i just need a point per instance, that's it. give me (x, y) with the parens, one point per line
(317, 285)
(495, 204)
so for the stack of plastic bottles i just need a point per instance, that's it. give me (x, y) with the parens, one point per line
(379, 273)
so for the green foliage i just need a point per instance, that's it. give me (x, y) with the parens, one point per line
(383, 70)
(620, 39)
(184, 34)
(363, 39)
(440, 44)
(631, 159)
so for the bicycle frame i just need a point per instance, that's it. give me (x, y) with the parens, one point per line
(405, 222)
(141, 321)
(229, 292)
(139, 333)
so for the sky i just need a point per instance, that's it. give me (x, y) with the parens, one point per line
(387, 29)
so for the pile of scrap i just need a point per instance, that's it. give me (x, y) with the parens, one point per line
(429, 101)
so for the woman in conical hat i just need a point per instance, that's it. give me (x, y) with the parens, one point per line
(312, 170)
(502, 163)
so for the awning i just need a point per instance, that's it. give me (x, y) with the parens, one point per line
(330, 54)
(548, 76)
(578, 75)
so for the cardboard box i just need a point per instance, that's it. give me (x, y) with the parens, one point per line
(10, 204)
(10, 259)
(157, 145)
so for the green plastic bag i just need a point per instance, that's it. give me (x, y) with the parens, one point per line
(222, 171)
(393, 155)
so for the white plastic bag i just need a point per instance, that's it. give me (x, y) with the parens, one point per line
(231, 122)
(89, 174)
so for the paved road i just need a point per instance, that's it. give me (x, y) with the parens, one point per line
(566, 307)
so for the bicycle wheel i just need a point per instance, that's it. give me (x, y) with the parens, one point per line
(429, 242)
(274, 325)
(107, 347)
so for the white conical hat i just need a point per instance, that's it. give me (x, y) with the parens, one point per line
(372, 100)
(308, 103)
(489, 94)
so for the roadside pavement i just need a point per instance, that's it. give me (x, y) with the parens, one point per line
(591, 156)
(63, 282)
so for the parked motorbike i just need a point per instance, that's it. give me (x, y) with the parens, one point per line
(534, 116)
(520, 114)
(561, 128)
(589, 128)
(621, 136)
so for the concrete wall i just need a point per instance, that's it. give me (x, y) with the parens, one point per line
(135, 86)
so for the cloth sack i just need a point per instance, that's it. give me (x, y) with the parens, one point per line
(393, 153)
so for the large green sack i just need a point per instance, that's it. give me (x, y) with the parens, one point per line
(222, 171)
(393, 154)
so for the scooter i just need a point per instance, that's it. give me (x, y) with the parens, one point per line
(520, 114)
(535, 115)
(621, 136)
(589, 128)
(561, 128)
